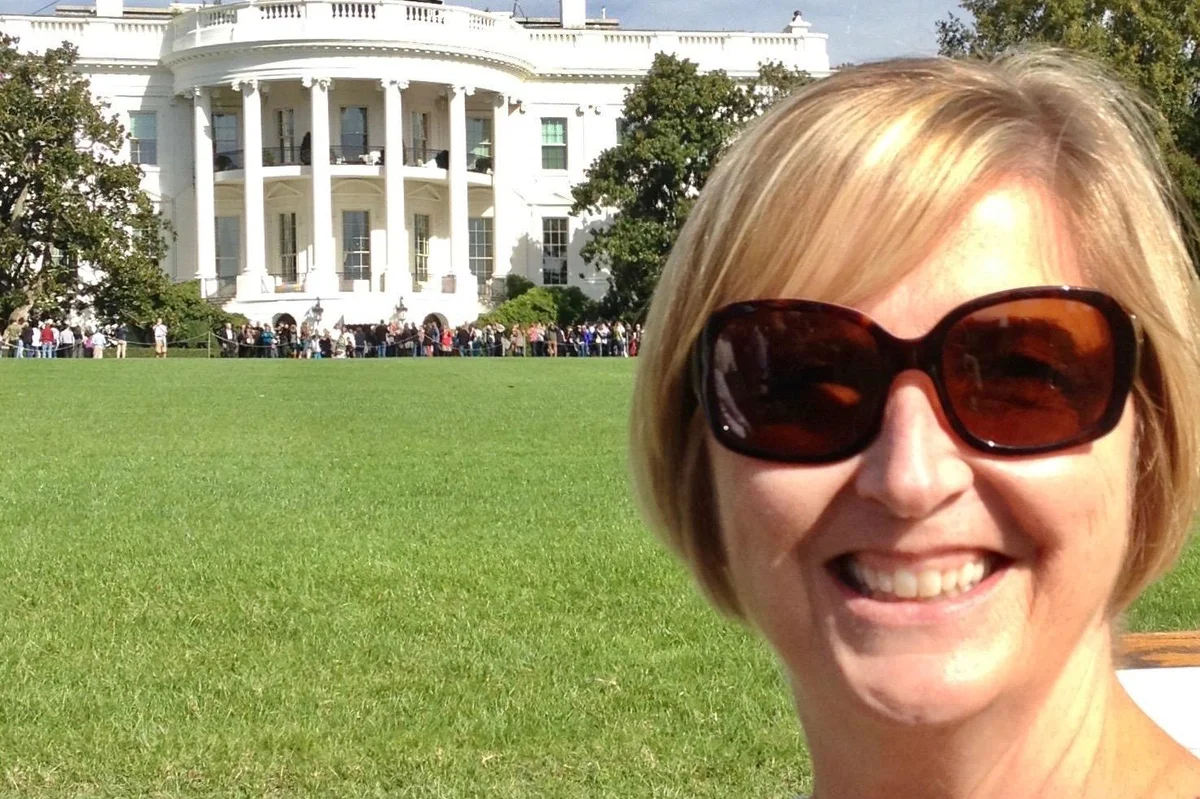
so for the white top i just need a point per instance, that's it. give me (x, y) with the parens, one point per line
(98, 339)
(160, 332)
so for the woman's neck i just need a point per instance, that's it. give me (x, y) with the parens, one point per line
(1074, 743)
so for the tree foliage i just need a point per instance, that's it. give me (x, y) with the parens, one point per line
(1152, 44)
(677, 124)
(547, 305)
(76, 227)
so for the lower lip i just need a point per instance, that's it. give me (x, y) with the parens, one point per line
(916, 613)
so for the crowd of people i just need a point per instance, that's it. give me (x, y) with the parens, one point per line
(430, 340)
(24, 338)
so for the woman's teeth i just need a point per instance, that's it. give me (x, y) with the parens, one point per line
(919, 584)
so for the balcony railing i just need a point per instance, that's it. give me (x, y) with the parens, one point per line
(482, 163)
(285, 156)
(368, 154)
(427, 156)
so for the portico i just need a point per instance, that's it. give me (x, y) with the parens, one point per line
(319, 186)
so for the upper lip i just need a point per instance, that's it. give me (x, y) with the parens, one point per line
(922, 553)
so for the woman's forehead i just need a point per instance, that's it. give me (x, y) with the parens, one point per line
(1010, 238)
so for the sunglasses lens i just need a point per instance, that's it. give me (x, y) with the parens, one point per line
(1030, 373)
(795, 385)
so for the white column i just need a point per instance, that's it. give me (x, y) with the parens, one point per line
(254, 265)
(459, 238)
(502, 170)
(206, 236)
(399, 279)
(322, 274)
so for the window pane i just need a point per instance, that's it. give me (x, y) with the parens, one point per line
(554, 131)
(356, 245)
(229, 245)
(480, 248)
(225, 132)
(143, 124)
(421, 247)
(554, 250)
(354, 130)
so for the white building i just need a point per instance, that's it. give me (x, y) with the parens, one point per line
(404, 153)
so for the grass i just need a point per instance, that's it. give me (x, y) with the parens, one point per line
(419, 578)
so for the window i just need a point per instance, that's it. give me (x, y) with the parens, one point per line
(421, 247)
(479, 144)
(622, 130)
(554, 251)
(287, 247)
(420, 137)
(285, 126)
(354, 133)
(229, 246)
(225, 133)
(143, 137)
(479, 249)
(356, 245)
(554, 143)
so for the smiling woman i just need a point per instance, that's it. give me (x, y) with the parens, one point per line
(924, 422)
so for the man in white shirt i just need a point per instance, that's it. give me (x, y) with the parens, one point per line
(160, 339)
(98, 342)
(66, 342)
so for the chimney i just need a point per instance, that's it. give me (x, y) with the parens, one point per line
(109, 8)
(573, 13)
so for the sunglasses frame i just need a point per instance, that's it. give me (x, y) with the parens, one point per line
(924, 354)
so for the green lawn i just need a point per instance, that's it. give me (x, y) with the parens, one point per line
(410, 578)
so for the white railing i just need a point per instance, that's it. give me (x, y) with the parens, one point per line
(291, 10)
(449, 28)
(354, 10)
(97, 38)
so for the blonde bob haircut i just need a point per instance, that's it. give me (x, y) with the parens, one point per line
(844, 187)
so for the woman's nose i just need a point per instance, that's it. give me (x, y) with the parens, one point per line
(915, 465)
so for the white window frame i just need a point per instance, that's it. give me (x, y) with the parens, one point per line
(552, 148)
(289, 257)
(356, 248)
(234, 223)
(143, 149)
(421, 225)
(556, 239)
(285, 126)
(481, 256)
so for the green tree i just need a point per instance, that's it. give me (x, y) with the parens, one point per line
(76, 227)
(1152, 44)
(677, 124)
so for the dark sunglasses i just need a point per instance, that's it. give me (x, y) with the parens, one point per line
(1019, 372)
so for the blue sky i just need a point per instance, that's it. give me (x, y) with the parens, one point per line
(858, 30)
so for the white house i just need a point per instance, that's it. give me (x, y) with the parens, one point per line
(370, 155)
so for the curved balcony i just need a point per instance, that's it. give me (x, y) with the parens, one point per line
(395, 22)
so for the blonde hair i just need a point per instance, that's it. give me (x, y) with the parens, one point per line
(853, 181)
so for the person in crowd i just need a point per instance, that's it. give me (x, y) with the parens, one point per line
(270, 347)
(98, 341)
(121, 340)
(28, 333)
(12, 339)
(518, 341)
(227, 339)
(47, 337)
(66, 341)
(879, 389)
(160, 339)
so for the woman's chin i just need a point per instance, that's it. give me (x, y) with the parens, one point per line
(922, 690)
